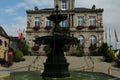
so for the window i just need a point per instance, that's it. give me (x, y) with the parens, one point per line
(81, 40)
(80, 20)
(1, 42)
(64, 4)
(64, 23)
(92, 21)
(48, 22)
(37, 21)
(93, 40)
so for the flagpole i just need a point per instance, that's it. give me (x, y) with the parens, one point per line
(116, 38)
(109, 37)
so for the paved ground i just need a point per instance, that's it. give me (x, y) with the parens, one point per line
(76, 63)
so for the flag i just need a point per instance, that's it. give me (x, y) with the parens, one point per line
(22, 34)
(116, 37)
(19, 35)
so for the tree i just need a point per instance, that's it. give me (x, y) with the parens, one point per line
(24, 48)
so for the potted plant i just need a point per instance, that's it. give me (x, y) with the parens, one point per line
(92, 27)
(36, 28)
(92, 47)
(80, 27)
(35, 48)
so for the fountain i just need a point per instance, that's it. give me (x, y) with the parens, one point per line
(56, 66)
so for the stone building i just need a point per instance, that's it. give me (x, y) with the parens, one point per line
(83, 23)
(4, 44)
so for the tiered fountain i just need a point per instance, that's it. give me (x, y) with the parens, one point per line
(56, 65)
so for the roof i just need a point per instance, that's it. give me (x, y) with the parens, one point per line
(3, 33)
(48, 10)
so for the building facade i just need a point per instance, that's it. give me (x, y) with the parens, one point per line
(83, 23)
(4, 44)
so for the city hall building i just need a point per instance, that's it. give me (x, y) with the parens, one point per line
(82, 23)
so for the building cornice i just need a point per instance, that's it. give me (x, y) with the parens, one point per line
(76, 10)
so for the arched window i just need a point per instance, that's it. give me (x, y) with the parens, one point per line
(93, 40)
(81, 40)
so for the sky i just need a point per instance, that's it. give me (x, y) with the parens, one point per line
(13, 14)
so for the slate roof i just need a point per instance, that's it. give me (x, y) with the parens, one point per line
(3, 33)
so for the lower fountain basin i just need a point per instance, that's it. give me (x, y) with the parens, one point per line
(75, 75)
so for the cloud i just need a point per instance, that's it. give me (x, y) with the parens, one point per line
(9, 10)
(13, 28)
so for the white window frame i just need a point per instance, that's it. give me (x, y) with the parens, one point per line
(48, 22)
(80, 20)
(92, 21)
(64, 4)
(37, 21)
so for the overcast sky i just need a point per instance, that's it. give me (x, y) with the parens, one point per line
(13, 13)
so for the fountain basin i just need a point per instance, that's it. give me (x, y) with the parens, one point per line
(75, 75)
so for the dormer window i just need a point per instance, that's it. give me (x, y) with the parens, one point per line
(64, 4)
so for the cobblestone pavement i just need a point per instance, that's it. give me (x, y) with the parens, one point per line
(76, 63)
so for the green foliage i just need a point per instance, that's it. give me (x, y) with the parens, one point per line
(111, 54)
(18, 55)
(103, 49)
(47, 49)
(24, 48)
(79, 51)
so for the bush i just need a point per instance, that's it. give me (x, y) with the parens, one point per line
(103, 50)
(24, 48)
(79, 51)
(111, 54)
(18, 55)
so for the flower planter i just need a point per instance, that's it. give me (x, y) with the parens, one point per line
(47, 27)
(92, 27)
(35, 48)
(80, 27)
(36, 28)
(92, 48)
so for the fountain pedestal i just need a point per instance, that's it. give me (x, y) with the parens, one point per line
(56, 65)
